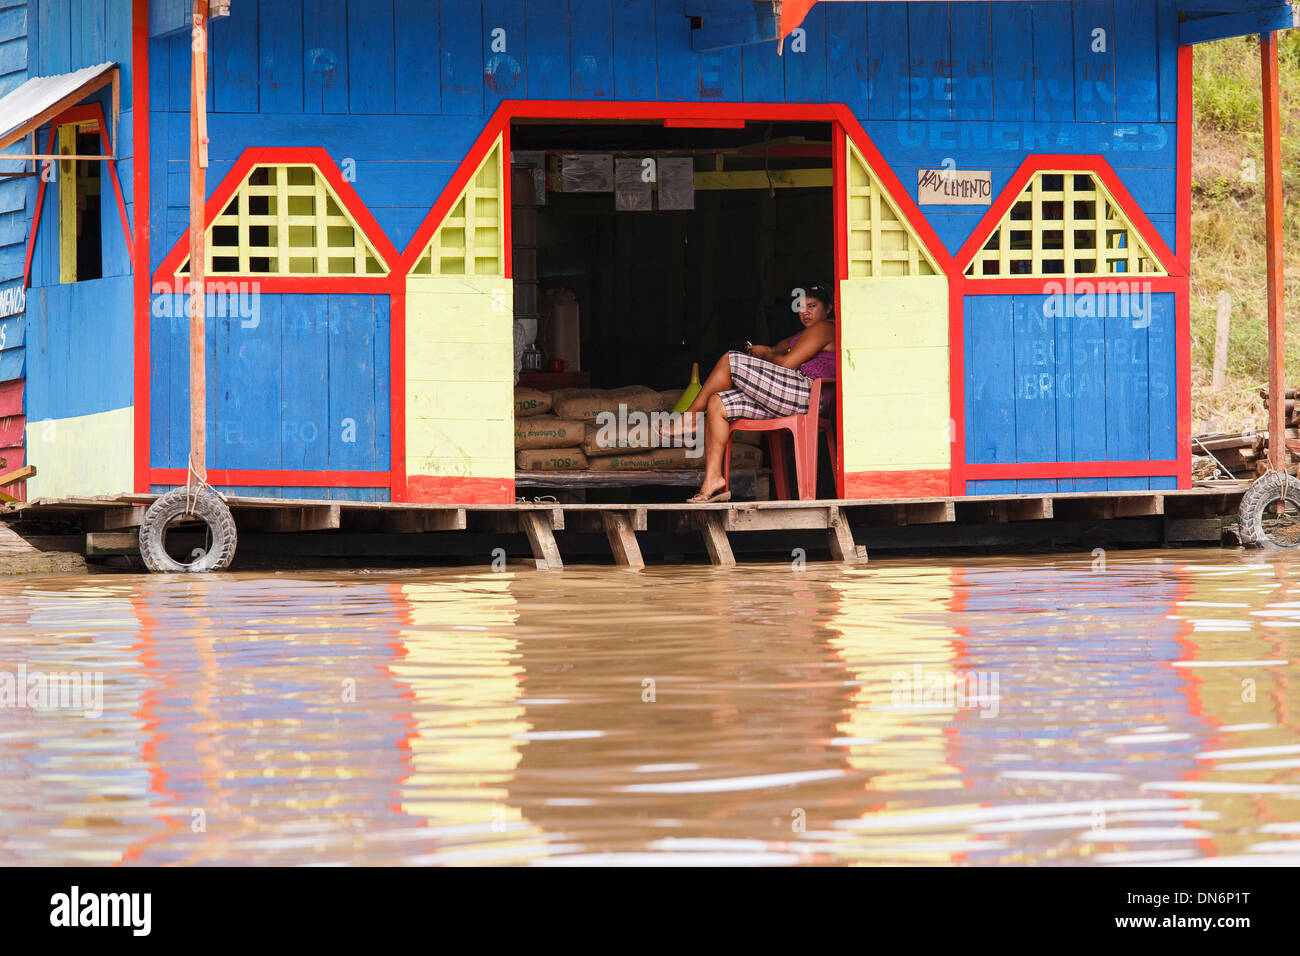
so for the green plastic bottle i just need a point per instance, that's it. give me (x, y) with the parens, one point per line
(692, 390)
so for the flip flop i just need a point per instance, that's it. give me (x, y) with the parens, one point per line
(716, 498)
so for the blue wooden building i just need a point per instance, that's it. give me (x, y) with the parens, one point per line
(1000, 191)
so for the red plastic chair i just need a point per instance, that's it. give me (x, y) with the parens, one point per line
(804, 429)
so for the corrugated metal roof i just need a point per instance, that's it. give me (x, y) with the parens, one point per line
(42, 92)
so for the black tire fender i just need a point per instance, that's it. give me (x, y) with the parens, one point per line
(1266, 490)
(205, 505)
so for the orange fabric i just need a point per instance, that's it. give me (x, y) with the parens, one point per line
(792, 14)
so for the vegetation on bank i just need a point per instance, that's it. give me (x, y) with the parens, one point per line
(1228, 225)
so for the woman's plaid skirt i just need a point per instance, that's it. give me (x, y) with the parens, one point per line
(763, 389)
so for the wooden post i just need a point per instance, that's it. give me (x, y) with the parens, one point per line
(1222, 318)
(622, 540)
(198, 253)
(1273, 251)
(714, 530)
(546, 554)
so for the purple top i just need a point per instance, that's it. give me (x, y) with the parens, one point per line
(821, 365)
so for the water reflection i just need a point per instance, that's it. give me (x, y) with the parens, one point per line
(1003, 711)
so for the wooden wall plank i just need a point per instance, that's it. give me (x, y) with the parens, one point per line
(972, 61)
(244, 393)
(54, 35)
(1095, 41)
(591, 50)
(547, 57)
(503, 69)
(887, 33)
(1053, 62)
(280, 31)
(382, 384)
(1127, 390)
(929, 66)
(418, 89)
(305, 382)
(990, 380)
(805, 69)
(678, 65)
(720, 75)
(461, 37)
(1033, 333)
(634, 72)
(1167, 52)
(1013, 64)
(1162, 413)
(351, 425)
(87, 39)
(371, 56)
(1137, 61)
(847, 56)
(762, 73)
(232, 43)
(325, 56)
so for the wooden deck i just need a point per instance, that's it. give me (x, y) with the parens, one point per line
(109, 524)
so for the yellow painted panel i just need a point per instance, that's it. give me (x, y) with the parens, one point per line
(460, 376)
(86, 455)
(473, 401)
(894, 370)
(471, 240)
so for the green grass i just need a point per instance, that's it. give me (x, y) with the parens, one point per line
(1228, 223)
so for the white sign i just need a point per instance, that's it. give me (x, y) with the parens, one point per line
(12, 301)
(954, 187)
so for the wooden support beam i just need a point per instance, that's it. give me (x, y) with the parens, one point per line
(418, 520)
(930, 512)
(591, 521)
(713, 527)
(622, 540)
(546, 553)
(1277, 453)
(289, 520)
(115, 519)
(840, 537)
(1139, 506)
(776, 519)
(102, 543)
(1028, 509)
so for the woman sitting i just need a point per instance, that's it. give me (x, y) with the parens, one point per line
(764, 382)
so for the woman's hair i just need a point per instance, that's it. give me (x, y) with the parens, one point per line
(822, 293)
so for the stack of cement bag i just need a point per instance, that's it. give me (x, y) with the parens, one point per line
(562, 431)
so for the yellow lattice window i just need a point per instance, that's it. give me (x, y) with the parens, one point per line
(285, 220)
(880, 241)
(470, 240)
(1064, 223)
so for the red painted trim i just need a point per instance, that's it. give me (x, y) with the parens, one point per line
(11, 397)
(306, 285)
(957, 383)
(901, 196)
(499, 121)
(1183, 374)
(36, 217)
(272, 155)
(508, 258)
(1037, 285)
(434, 489)
(84, 113)
(922, 483)
(275, 476)
(140, 248)
(1068, 163)
(1183, 213)
(704, 123)
(1069, 469)
(397, 396)
(840, 243)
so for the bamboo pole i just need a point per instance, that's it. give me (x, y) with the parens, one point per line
(1273, 251)
(198, 251)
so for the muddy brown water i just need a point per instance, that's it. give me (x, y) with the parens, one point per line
(1117, 708)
